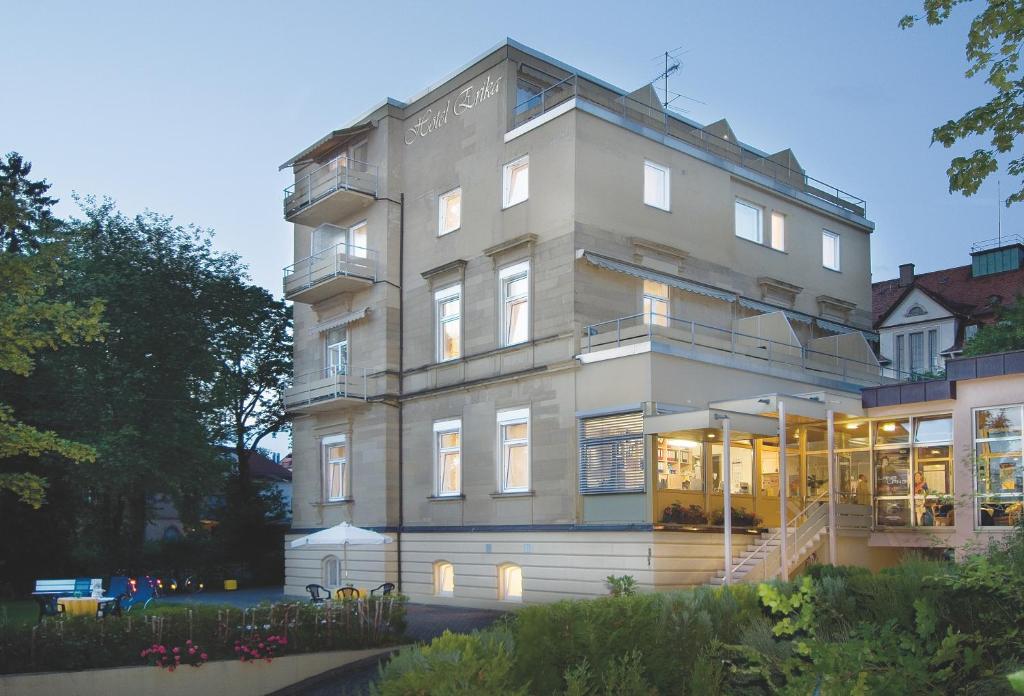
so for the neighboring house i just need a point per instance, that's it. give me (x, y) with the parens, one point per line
(924, 319)
(547, 331)
(165, 522)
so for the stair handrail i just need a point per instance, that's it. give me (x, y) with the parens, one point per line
(778, 535)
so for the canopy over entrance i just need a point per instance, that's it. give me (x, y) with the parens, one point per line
(707, 424)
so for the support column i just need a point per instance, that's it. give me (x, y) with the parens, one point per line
(783, 491)
(727, 496)
(833, 541)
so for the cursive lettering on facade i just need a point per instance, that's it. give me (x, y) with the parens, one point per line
(435, 118)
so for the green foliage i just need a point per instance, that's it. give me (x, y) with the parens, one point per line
(993, 47)
(32, 266)
(452, 665)
(1017, 681)
(621, 586)
(1006, 333)
(84, 642)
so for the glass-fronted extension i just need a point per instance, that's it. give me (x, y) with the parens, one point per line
(999, 468)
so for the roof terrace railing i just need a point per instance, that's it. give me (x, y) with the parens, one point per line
(655, 117)
(639, 328)
(340, 174)
(997, 242)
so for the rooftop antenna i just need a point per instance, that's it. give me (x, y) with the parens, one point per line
(999, 213)
(672, 64)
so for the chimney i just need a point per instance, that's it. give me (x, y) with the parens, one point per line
(906, 275)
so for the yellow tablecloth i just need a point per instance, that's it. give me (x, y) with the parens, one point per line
(79, 606)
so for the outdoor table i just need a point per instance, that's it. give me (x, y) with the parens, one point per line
(81, 606)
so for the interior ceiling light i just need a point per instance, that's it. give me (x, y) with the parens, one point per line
(889, 427)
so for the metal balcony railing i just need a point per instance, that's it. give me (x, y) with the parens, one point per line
(322, 386)
(338, 261)
(639, 328)
(997, 242)
(655, 117)
(340, 174)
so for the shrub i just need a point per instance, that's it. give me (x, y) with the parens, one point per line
(740, 518)
(452, 664)
(677, 514)
(624, 586)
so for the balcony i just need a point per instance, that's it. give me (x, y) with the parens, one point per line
(331, 192)
(843, 359)
(577, 91)
(341, 268)
(327, 389)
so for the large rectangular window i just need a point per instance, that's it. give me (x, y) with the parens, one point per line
(612, 455)
(357, 238)
(336, 352)
(1000, 465)
(680, 462)
(830, 250)
(349, 241)
(933, 349)
(916, 352)
(514, 451)
(656, 185)
(778, 231)
(899, 359)
(515, 182)
(748, 221)
(448, 457)
(655, 303)
(515, 303)
(448, 310)
(449, 212)
(335, 467)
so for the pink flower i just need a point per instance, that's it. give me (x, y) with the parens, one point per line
(191, 651)
(177, 650)
(203, 656)
(188, 642)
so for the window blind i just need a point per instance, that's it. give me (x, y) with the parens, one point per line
(612, 454)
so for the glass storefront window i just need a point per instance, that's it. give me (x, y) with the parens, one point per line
(933, 429)
(769, 472)
(741, 472)
(854, 477)
(680, 464)
(817, 474)
(853, 435)
(1000, 465)
(892, 432)
(892, 487)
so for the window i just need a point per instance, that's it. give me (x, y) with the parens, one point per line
(510, 583)
(830, 250)
(357, 240)
(514, 450)
(778, 231)
(916, 352)
(448, 457)
(354, 156)
(748, 221)
(515, 181)
(444, 579)
(741, 471)
(448, 307)
(933, 349)
(656, 185)
(655, 303)
(900, 360)
(336, 352)
(335, 462)
(612, 454)
(330, 572)
(449, 212)
(970, 331)
(515, 304)
(1000, 465)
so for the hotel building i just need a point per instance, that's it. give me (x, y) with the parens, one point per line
(536, 313)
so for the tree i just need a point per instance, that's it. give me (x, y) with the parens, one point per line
(32, 261)
(1006, 333)
(993, 47)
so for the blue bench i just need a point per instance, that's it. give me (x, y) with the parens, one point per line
(48, 591)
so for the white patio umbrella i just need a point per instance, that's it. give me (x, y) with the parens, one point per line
(342, 535)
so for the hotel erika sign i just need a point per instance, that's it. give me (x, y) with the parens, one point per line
(434, 119)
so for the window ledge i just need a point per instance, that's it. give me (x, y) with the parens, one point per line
(441, 498)
(328, 503)
(515, 494)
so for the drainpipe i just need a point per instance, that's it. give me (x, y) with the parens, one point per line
(832, 517)
(401, 357)
(783, 490)
(727, 497)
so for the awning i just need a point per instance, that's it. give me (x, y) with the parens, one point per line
(742, 425)
(636, 271)
(338, 321)
(325, 144)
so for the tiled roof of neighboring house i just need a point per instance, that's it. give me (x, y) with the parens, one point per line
(953, 288)
(261, 468)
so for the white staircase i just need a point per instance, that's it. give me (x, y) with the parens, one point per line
(761, 560)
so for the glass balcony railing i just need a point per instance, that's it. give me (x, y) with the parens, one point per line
(341, 268)
(323, 388)
(341, 174)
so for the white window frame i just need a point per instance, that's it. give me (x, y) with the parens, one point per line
(439, 590)
(442, 428)
(506, 181)
(506, 277)
(503, 584)
(778, 231)
(440, 297)
(442, 208)
(760, 220)
(330, 368)
(326, 565)
(651, 198)
(359, 250)
(506, 418)
(344, 466)
(837, 249)
(656, 308)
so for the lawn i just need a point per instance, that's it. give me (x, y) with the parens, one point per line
(19, 611)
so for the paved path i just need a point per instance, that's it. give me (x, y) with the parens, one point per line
(424, 622)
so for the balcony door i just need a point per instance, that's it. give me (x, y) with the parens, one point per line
(336, 342)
